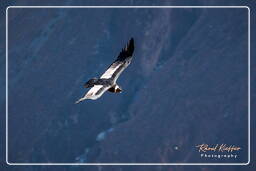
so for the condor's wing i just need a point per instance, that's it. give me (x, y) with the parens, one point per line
(94, 93)
(122, 61)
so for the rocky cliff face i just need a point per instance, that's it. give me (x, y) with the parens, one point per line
(187, 85)
(198, 95)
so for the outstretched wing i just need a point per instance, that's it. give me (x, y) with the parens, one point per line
(94, 93)
(122, 61)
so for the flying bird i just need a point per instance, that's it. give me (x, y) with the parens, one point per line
(107, 82)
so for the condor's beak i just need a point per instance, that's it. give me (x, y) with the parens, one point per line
(118, 90)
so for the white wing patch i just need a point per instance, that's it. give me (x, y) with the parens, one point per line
(118, 74)
(110, 71)
(94, 93)
(126, 63)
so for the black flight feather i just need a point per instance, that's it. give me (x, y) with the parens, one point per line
(127, 51)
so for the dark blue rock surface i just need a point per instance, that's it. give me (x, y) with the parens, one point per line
(187, 85)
